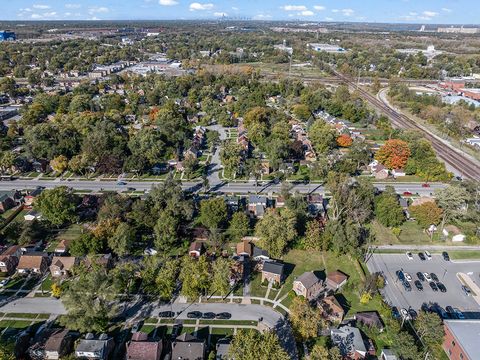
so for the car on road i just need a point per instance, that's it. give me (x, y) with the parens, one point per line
(409, 255)
(441, 287)
(418, 285)
(427, 277)
(428, 255)
(406, 285)
(208, 315)
(412, 313)
(400, 275)
(425, 185)
(458, 314)
(433, 286)
(131, 189)
(407, 193)
(194, 315)
(445, 255)
(434, 276)
(420, 276)
(466, 290)
(223, 316)
(121, 183)
(166, 314)
(408, 277)
(395, 313)
(4, 282)
(422, 257)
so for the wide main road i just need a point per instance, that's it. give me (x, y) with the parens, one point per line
(225, 187)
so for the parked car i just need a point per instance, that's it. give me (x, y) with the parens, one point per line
(422, 257)
(166, 314)
(418, 285)
(408, 277)
(466, 290)
(208, 315)
(400, 275)
(136, 327)
(4, 282)
(420, 276)
(445, 255)
(395, 313)
(425, 307)
(194, 315)
(428, 255)
(412, 313)
(409, 255)
(450, 311)
(458, 314)
(223, 316)
(404, 313)
(433, 286)
(427, 277)
(441, 287)
(434, 276)
(131, 189)
(440, 311)
(406, 285)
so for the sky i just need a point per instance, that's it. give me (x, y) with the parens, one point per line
(396, 11)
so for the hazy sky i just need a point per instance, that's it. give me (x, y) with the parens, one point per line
(412, 11)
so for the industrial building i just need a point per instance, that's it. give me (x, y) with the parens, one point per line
(326, 47)
(6, 35)
(458, 30)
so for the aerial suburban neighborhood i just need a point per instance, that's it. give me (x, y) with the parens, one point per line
(187, 181)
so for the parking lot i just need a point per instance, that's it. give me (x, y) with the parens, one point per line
(446, 272)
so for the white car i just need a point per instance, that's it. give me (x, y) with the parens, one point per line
(428, 255)
(4, 282)
(407, 276)
(409, 255)
(427, 277)
(405, 314)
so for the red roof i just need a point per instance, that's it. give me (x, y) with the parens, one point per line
(144, 350)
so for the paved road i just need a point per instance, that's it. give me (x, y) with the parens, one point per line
(446, 272)
(406, 247)
(232, 187)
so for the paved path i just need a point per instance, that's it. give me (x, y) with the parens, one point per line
(467, 280)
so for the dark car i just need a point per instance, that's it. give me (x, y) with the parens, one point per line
(400, 275)
(434, 276)
(418, 285)
(458, 314)
(121, 183)
(194, 315)
(166, 314)
(208, 315)
(445, 255)
(425, 307)
(433, 286)
(413, 314)
(450, 311)
(440, 311)
(420, 276)
(223, 316)
(395, 313)
(131, 189)
(406, 285)
(441, 287)
(421, 255)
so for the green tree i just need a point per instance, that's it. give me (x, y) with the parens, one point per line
(221, 270)
(430, 330)
(231, 156)
(59, 163)
(387, 208)
(276, 230)
(195, 277)
(322, 136)
(57, 205)
(213, 212)
(239, 226)
(314, 239)
(122, 240)
(166, 280)
(86, 244)
(319, 352)
(454, 202)
(166, 230)
(253, 345)
(306, 320)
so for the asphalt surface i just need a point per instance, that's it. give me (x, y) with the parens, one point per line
(232, 187)
(446, 272)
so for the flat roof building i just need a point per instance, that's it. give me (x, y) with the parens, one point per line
(461, 339)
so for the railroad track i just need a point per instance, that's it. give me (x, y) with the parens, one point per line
(465, 166)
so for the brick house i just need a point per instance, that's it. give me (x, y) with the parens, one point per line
(331, 309)
(307, 285)
(139, 348)
(62, 265)
(9, 259)
(461, 339)
(272, 272)
(33, 263)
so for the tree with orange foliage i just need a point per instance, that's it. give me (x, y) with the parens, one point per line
(344, 140)
(153, 114)
(393, 154)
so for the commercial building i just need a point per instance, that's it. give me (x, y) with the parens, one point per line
(458, 30)
(326, 47)
(6, 35)
(461, 339)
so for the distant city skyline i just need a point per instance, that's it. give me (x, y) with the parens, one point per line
(390, 11)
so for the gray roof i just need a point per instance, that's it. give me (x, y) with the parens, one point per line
(388, 354)
(466, 333)
(255, 199)
(348, 339)
(308, 279)
(188, 348)
(259, 252)
(93, 345)
(223, 345)
(273, 267)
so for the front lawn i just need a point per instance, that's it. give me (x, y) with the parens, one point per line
(411, 233)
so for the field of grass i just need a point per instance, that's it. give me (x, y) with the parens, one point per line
(73, 232)
(256, 288)
(412, 233)
(464, 254)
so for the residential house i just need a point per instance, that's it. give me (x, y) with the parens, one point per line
(62, 265)
(388, 354)
(370, 319)
(260, 254)
(196, 249)
(257, 205)
(92, 348)
(62, 247)
(350, 342)
(265, 167)
(331, 309)
(378, 170)
(422, 200)
(139, 348)
(454, 232)
(32, 215)
(33, 263)
(308, 285)
(316, 205)
(233, 203)
(9, 259)
(245, 248)
(8, 200)
(29, 199)
(335, 280)
(280, 202)
(102, 260)
(398, 173)
(188, 347)
(222, 348)
(272, 272)
(59, 344)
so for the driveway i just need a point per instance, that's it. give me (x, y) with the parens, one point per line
(446, 271)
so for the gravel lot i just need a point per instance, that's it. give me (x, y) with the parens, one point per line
(445, 271)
